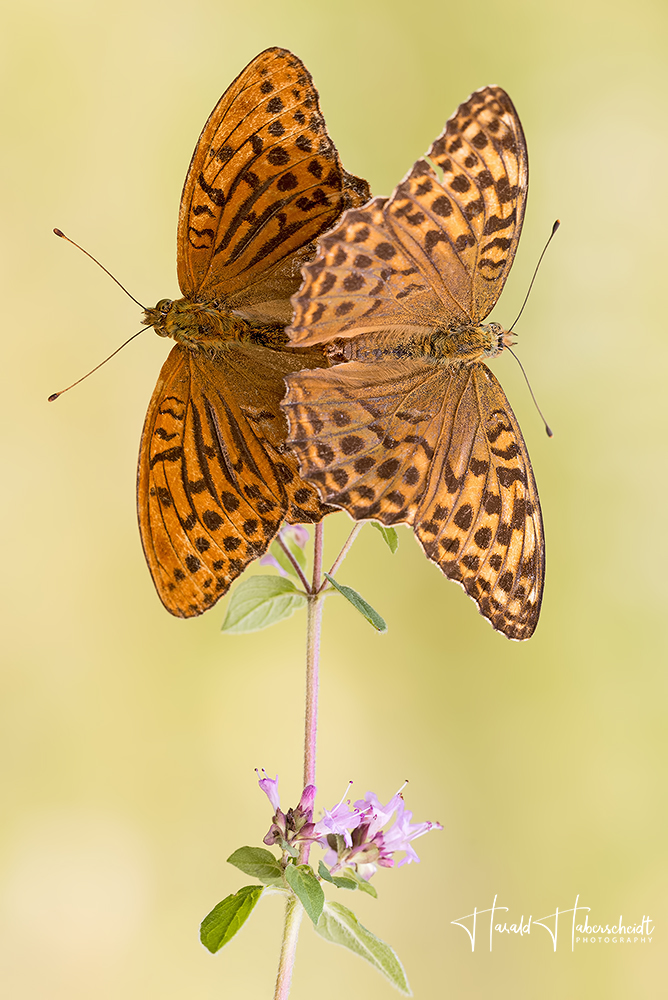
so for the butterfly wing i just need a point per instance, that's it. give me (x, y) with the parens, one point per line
(436, 446)
(480, 517)
(255, 376)
(214, 481)
(264, 182)
(464, 230)
(363, 280)
(437, 252)
(432, 444)
(365, 434)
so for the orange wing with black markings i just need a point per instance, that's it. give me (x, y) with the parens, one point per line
(215, 478)
(264, 182)
(435, 254)
(412, 427)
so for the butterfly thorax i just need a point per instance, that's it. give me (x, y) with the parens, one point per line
(195, 324)
(466, 342)
(455, 343)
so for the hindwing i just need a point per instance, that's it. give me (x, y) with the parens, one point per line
(215, 479)
(436, 446)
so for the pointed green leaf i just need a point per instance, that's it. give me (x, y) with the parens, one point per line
(389, 534)
(360, 882)
(258, 863)
(340, 925)
(304, 884)
(219, 926)
(340, 881)
(359, 604)
(262, 601)
(323, 872)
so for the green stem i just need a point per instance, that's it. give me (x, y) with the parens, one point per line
(313, 627)
(294, 911)
(346, 548)
(297, 567)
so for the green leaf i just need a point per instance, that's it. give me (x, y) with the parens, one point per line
(279, 555)
(219, 926)
(360, 882)
(258, 863)
(337, 842)
(304, 884)
(338, 880)
(262, 601)
(360, 605)
(389, 534)
(323, 872)
(341, 882)
(340, 925)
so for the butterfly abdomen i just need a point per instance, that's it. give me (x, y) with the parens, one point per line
(267, 335)
(456, 343)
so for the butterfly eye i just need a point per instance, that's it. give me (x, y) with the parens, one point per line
(163, 306)
(494, 339)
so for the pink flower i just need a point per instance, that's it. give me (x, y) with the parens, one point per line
(340, 820)
(296, 824)
(365, 836)
(297, 532)
(270, 787)
(357, 839)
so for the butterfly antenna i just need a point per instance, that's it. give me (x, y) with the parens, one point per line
(55, 395)
(548, 429)
(62, 235)
(554, 229)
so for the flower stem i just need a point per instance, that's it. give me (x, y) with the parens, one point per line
(297, 567)
(294, 911)
(314, 622)
(346, 548)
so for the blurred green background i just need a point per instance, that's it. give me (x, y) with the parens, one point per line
(129, 738)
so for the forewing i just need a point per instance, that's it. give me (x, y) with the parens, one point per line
(437, 253)
(473, 220)
(480, 517)
(436, 446)
(265, 180)
(363, 280)
(211, 490)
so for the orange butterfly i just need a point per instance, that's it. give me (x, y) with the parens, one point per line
(215, 478)
(413, 427)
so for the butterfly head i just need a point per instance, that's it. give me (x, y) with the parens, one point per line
(194, 324)
(158, 317)
(495, 338)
